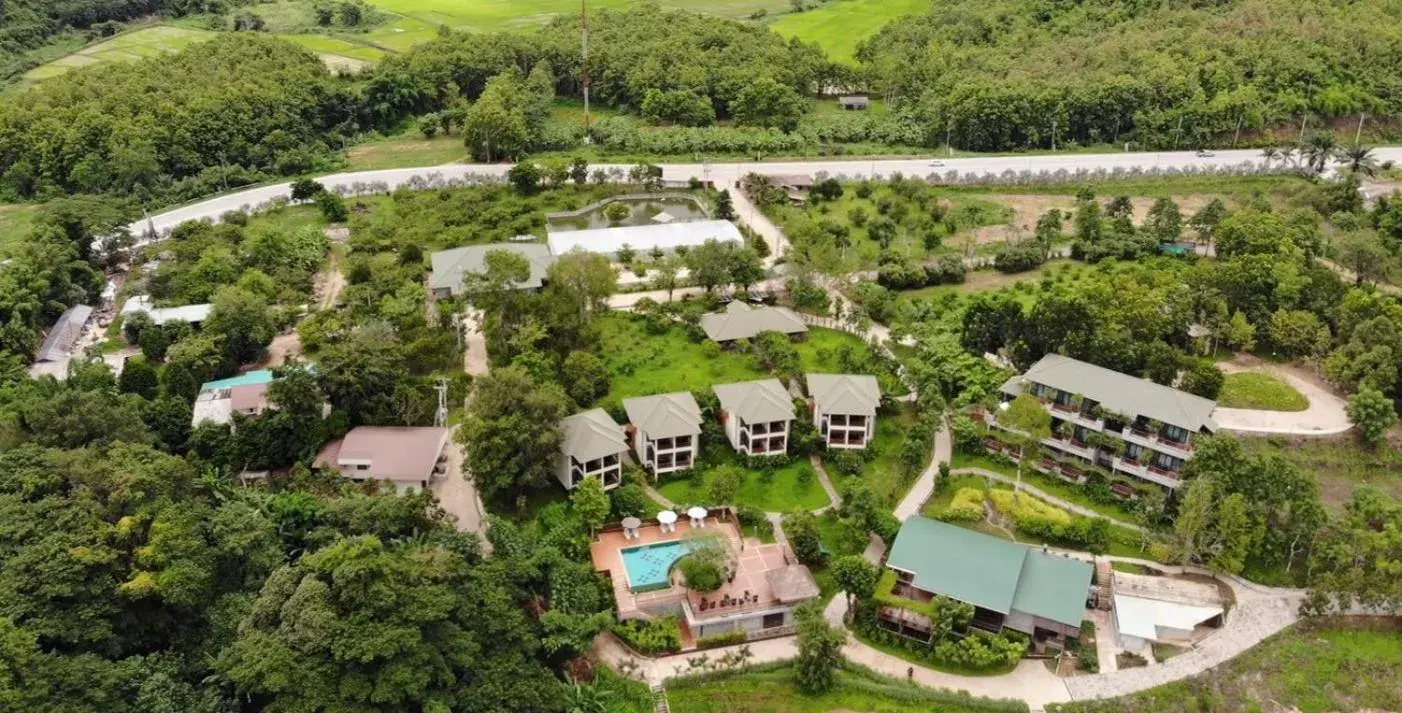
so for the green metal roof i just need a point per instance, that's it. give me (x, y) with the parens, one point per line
(259, 376)
(959, 563)
(1053, 587)
(991, 573)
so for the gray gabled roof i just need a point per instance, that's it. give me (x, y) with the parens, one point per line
(756, 401)
(1122, 393)
(58, 345)
(855, 394)
(665, 415)
(741, 321)
(990, 572)
(450, 267)
(592, 434)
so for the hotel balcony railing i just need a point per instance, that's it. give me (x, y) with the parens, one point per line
(1153, 474)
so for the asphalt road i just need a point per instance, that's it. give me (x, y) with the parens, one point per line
(728, 173)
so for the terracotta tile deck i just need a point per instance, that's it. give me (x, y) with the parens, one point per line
(754, 560)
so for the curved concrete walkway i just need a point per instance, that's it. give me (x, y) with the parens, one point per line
(1325, 416)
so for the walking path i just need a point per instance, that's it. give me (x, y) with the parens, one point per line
(924, 486)
(1325, 416)
(836, 500)
(1044, 495)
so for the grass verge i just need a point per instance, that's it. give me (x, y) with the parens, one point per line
(1314, 667)
(1258, 390)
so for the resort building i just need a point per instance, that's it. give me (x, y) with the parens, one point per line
(1011, 586)
(741, 321)
(665, 430)
(62, 340)
(1103, 418)
(218, 401)
(844, 408)
(763, 584)
(195, 315)
(756, 416)
(854, 102)
(452, 269)
(593, 446)
(408, 457)
(796, 186)
(666, 237)
(1164, 610)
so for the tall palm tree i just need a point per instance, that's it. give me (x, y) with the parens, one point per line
(1319, 148)
(1360, 159)
(1270, 154)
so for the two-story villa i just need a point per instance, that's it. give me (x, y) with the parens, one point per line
(665, 429)
(593, 446)
(1104, 418)
(756, 416)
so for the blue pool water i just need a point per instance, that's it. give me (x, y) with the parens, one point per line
(648, 565)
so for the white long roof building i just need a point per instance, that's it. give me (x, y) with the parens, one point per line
(642, 238)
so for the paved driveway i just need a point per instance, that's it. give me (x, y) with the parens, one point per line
(1326, 415)
(458, 496)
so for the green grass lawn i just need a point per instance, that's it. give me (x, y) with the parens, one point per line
(643, 364)
(1258, 390)
(840, 541)
(990, 280)
(1341, 464)
(406, 150)
(793, 486)
(772, 690)
(883, 472)
(1313, 668)
(15, 221)
(490, 15)
(839, 25)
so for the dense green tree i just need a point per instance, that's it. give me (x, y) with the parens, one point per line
(801, 530)
(511, 432)
(591, 503)
(766, 102)
(856, 576)
(586, 378)
(1373, 414)
(819, 650)
(241, 323)
(427, 631)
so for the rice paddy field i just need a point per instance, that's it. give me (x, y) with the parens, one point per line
(836, 25)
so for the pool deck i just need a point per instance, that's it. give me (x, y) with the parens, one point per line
(754, 562)
(606, 551)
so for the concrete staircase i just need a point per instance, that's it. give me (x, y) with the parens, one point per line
(1104, 576)
(659, 698)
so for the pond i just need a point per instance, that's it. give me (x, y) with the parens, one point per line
(641, 211)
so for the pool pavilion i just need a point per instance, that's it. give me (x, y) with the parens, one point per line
(763, 585)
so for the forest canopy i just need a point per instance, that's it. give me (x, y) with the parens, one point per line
(1007, 73)
(152, 126)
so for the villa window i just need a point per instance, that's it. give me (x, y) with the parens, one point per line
(1175, 433)
(771, 621)
(1168, 462)
(1133, 451)
(683, 441)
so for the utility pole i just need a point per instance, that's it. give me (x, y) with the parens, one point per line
(1053, 134)
(584, 45)
(440, 417)
(1178, 132)
(1303, 120)
(1357, 135)
(1238, 129)
(948, 128)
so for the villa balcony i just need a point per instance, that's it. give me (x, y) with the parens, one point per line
(1075, 448)
(1140, 437)
(1073, 414)
(1153, 474)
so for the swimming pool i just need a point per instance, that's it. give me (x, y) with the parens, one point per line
(648, 565)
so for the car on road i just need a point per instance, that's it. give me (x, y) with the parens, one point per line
(1204, 153)
(937, 164)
